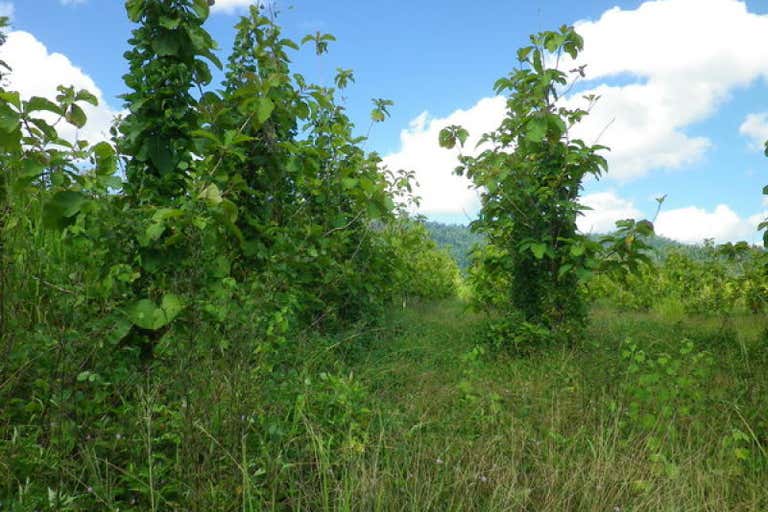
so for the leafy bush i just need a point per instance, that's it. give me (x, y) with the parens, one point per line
(166, 294)
(529, 174)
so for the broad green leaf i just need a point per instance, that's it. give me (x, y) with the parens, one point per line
(211, 194)
(135, 9)
(538, 250)
(155, 230)
(10, 140)
(59, 211)
(106, 159)
(148, 315)
(349, 183)
(264, 110)
(166, 44)
(462, 135)
(11, 97)
(160, 155)
(447, 139)
(36, 104)
(32, 168)
(645, 227)
(523, 53)
(577, 250)
(556, 124)
(536, 129)
(537, 61)
(169, 23)
(163, 214)
(84, 95)
(47, 130)
(230, 210)
(202, 9)
(9, 119)
(76, 116)
(205, 134)
(171, 306)
(86, 376)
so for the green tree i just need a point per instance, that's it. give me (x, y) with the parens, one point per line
(166, 61)
(530, 178)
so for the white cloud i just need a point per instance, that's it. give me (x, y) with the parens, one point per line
(36, 72)
(607, 208)
(687, 57)
(641, 124)
(687, 225)
(6, 9)
(693, 225)
(678, 62)
(441, 191)
(755, 128)
(232, 6)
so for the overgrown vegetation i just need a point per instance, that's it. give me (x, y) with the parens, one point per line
(228, 306)
(158, 289)
(530, 176)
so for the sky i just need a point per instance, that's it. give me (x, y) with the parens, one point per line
(683, 86)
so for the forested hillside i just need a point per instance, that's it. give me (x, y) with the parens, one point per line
(458, 239)
(228, 304)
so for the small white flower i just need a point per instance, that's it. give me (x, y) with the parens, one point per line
(118, 436)
(438, 461)
(483, 478)
(90, 489)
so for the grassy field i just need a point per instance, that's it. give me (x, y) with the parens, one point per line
(650, 413)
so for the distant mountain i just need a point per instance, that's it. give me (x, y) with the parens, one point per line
(456, 238)
(459, 240)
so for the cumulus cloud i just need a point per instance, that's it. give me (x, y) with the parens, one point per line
(37, 72)
(641, 126)
(442, 192)
(6, 9)
(683, 73)
(755, 129)
(659, 69)
(606, 209)
(693, 225)
(233, 6)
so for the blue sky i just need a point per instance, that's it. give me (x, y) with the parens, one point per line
(683, 83)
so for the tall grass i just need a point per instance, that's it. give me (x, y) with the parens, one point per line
(416, 414)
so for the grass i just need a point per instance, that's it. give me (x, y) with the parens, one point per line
(650, 412)
(588, 427)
